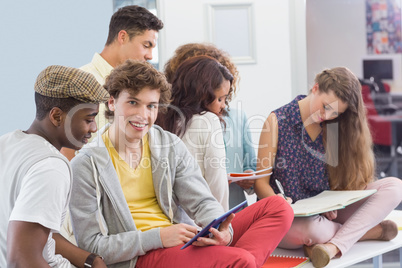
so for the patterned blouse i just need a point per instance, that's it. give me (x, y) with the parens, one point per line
(299, 162)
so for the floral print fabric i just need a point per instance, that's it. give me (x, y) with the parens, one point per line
(299, 161)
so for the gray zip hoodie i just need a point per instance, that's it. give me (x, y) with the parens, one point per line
(102, 222)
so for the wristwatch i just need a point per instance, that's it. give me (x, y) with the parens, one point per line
(90, 259)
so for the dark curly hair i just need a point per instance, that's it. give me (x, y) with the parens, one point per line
(193, 89)
(44, 104)
(197, 49)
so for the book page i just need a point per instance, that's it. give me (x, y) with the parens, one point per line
(328, 201)
(233, 176)
(248, 176)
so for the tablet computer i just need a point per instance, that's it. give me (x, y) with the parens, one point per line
(215, 223)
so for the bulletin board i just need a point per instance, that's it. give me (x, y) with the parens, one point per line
(383, 26)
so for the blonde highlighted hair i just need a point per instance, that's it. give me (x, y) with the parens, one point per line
(349, 144)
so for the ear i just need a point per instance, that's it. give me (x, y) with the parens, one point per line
(122, 37)
(56, 116)
(110, 104)
(315, 89)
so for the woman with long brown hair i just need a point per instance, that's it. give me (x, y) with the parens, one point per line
(319, 142)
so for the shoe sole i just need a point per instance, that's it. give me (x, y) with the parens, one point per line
(319, 256)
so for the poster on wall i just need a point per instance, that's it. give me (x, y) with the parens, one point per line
(383, 25)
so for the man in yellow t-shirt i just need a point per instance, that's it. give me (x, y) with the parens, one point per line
(138, 191)
(137, 185)
(133, 32)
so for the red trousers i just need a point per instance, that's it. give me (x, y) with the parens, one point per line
(258, 229)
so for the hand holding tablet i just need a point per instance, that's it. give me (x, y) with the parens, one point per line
(215, 224)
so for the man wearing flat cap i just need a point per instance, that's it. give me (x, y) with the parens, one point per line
(36, 178)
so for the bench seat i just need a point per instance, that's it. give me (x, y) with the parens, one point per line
(361, 251)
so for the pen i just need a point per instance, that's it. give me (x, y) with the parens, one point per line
(278, 183)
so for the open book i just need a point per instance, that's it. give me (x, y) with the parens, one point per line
(328, 201)
(285, 261)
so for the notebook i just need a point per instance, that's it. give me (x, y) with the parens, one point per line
(328, 201)
(248, 176)
(279, 261)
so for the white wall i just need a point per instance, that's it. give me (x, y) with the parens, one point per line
(265, 85)
(298, 49)
(336, 36)
(37, 34)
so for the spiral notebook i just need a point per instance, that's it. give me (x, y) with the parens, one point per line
(248, 175)
(279, 261)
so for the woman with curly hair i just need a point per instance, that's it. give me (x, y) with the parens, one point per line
(201, 88)
(240, 153)
(319, 142)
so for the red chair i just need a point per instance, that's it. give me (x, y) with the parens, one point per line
(381, 131)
